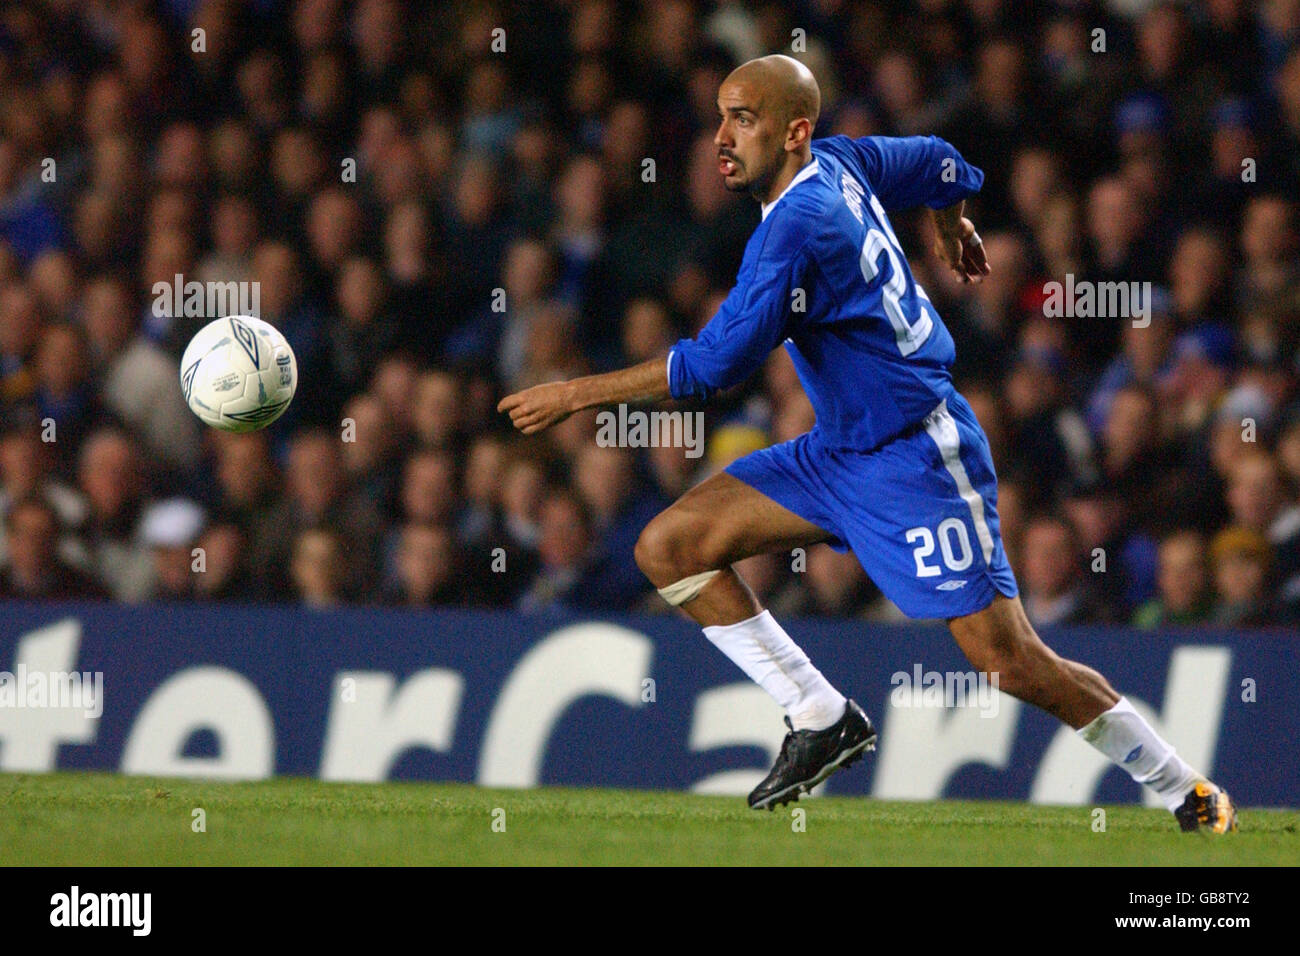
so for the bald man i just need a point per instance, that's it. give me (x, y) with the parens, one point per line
(896, 468)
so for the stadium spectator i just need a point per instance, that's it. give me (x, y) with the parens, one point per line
(1114, 541)
(526, 282)
(1055, 587)
(522, 487)
(430, 573)
(620, 506)
(225, 574)
(671, 470)
(436, 409)
(836, 587)
(1183, 582)
(318, 568)
(364, 330)
(1143, 359)
(1013, 509)
(1241, 559)
(317, 498)
(647, 330)
(25, 470)
(34, 570)
(370, 452)
(1270, 244)
(112, 478)
(480, 518)
(136, 380)
(1259, 500)
(56, 285)
(564, 550)
(1131, 452)
(65, 403)
(428, 491)
(20, 330)
(983, 328)
(247, 482)
(171, 530)
(1049, 442)
(393, 382)
(236, 230)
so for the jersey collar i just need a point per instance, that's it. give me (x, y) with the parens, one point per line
(805, 173)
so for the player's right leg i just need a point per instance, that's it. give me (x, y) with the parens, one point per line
(715, 524)
(687, 552)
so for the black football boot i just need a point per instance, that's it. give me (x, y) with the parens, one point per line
(810, 756)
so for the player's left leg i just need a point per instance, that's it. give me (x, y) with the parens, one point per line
(1000, 640)
(996, 636)
(928, 533)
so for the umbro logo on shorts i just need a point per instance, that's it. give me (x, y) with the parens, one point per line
(950, 585)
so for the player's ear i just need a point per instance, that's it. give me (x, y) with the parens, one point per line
(797, 133)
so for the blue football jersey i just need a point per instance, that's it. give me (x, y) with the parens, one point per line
(824, 273)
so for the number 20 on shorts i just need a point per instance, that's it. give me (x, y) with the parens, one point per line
(953, 545)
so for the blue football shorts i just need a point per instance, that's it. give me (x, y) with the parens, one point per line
(919, 512)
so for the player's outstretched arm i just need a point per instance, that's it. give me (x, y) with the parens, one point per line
(958, 244)
(538, 408)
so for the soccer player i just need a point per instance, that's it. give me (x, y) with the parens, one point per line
(896, 469)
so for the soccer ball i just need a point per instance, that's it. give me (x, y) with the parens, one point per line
(238, 374)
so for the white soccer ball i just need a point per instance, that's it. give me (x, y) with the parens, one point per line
(238, 374)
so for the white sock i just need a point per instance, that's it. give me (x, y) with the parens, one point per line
(1123, 736)
(764, 651)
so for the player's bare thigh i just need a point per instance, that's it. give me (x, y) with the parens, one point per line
(718, 522)
(996, 634)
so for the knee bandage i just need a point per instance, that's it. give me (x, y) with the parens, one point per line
(684, 590)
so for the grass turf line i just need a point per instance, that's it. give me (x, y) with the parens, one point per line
(105, 819)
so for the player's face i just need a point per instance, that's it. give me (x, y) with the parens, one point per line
(750, 140)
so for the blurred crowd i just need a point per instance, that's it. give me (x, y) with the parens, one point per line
(444, 203)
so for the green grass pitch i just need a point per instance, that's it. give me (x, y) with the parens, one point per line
(93, 819)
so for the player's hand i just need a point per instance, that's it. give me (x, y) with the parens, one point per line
(538, 408)
(963, 251)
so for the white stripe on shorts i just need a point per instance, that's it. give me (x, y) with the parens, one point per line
(941, 427)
